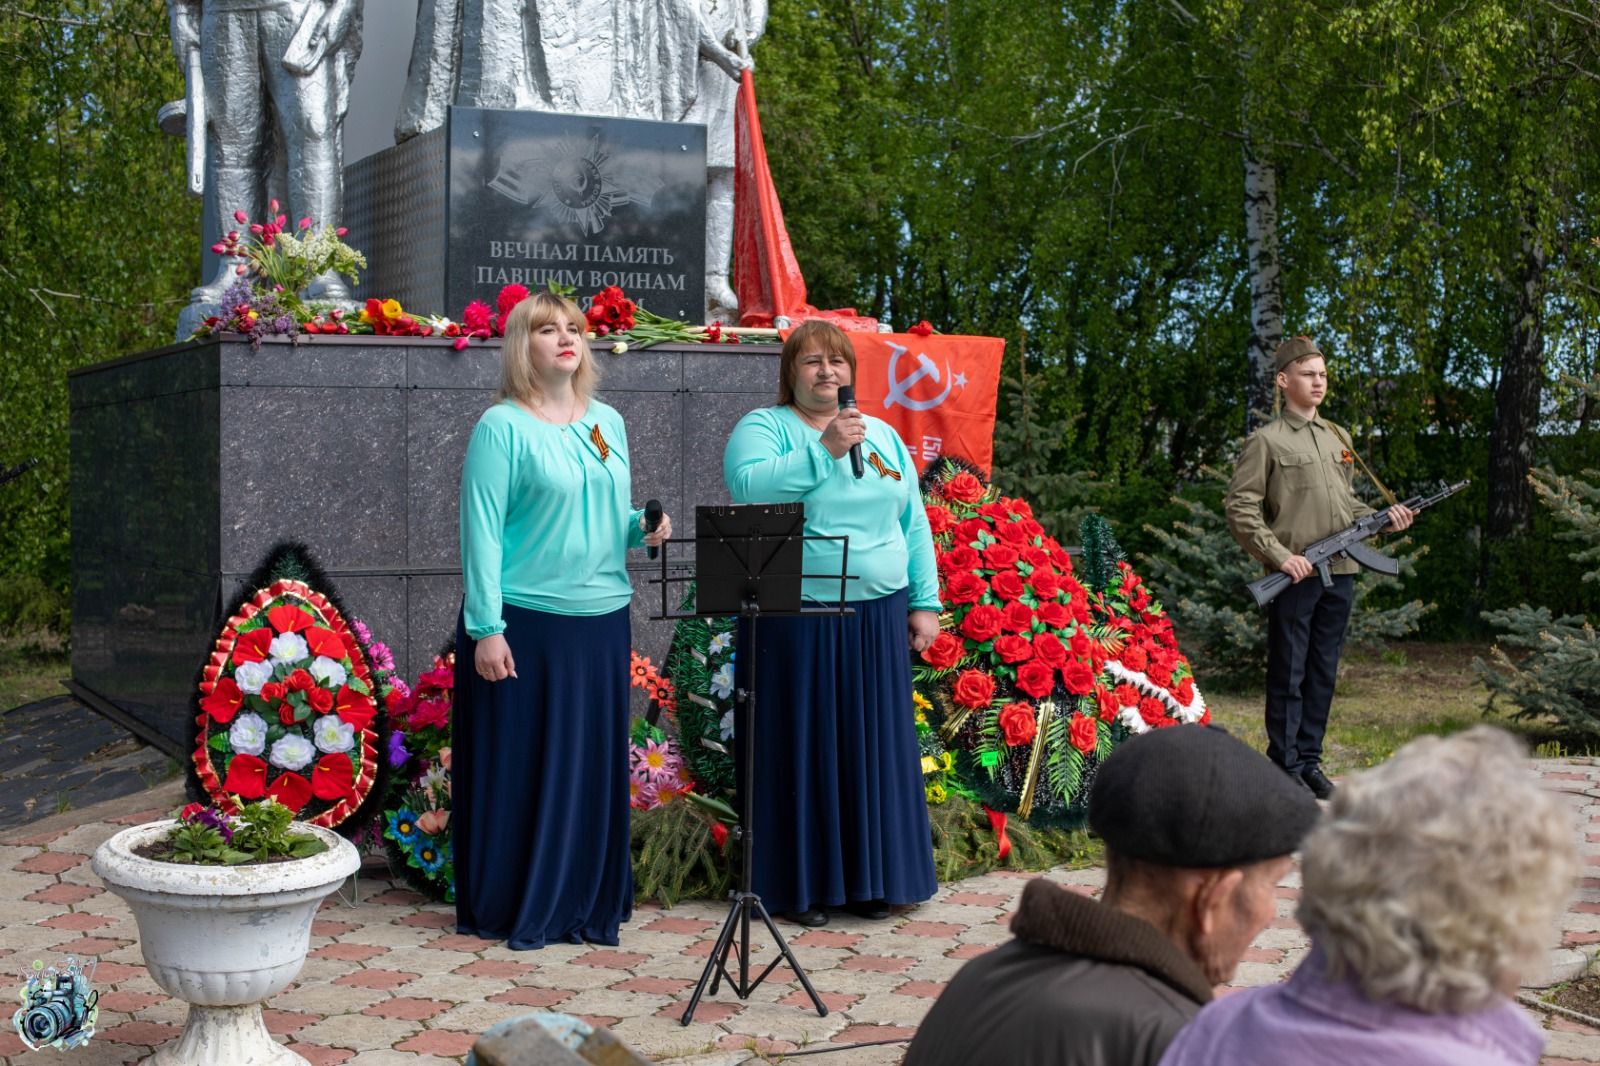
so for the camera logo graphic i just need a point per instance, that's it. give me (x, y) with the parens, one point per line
(59, 1007)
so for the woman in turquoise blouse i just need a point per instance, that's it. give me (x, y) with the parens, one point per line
(540, 723)
(839, 811)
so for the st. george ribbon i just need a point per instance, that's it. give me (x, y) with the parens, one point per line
(652, 521)
(847, 398)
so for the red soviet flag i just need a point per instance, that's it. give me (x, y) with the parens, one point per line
(938, 391)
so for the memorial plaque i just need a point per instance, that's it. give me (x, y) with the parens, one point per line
(580, 200)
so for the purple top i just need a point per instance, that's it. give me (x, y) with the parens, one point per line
(1311, 1021)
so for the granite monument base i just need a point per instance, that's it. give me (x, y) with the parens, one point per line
(190, 462)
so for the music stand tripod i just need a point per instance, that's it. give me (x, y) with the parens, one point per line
(748, 562)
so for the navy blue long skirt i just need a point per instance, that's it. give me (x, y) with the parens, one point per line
(540, 783)
(839, 810)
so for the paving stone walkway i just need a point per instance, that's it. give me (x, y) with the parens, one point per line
(58, 755)
(389, 981)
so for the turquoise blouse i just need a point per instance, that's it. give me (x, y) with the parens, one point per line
(546, 519)
(775, 457)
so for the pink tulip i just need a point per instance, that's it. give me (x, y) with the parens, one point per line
(341, 231)
(461, 342)
(281, 220)
(239, 269)
(257, 228)
(219, 248)
(305, 223)
(273, 206)
(240, 216)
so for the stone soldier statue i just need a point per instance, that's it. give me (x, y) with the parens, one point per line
(275, 86)
(738, 24)
(624, 58)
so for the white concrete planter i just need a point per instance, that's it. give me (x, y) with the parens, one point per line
(223, 938)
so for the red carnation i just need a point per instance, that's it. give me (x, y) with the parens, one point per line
(1083, 734)
(973, 688)
(1077, 677)
(1159, 675)
(1006, 584)
(1107, 703)
(1019, 617)
(1127, 695)
(921, 329)
(509, 297)
(963, 487)
(476, 317)
(964, 588)
(945, 651)
(1152, 710)
(1036, 679)
(291, 790)
(1185, 691)
(321, 700)
(982, 623)
(247, 777)
(300, 681)
(999, 555)
(1012, 648)
(719, 834)
(940, 519)
(1134, 658)
(1018, 723)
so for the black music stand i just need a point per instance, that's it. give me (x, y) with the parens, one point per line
(748, 561)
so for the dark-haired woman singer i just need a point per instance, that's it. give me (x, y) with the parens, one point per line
(840, 818)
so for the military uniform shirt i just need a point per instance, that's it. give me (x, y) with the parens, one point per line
(1291, 489)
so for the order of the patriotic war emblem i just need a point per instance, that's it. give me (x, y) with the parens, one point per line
(574, 179)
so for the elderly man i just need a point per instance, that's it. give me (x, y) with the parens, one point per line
(1430, 890)
(1198, 831)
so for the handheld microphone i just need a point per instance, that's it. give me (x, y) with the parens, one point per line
(652, 521)
(847, 398)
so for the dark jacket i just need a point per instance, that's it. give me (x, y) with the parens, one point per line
(1082, 984)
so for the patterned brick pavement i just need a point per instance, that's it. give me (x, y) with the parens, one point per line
(389, 981)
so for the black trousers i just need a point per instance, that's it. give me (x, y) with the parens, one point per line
(1305, 633)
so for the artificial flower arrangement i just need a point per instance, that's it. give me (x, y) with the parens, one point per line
(416, 817)
(277, 265)
(253, 833)
(1036, 675)
(656, 771)
(289, 702)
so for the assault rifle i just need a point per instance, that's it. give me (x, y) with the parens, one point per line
(1349, 541)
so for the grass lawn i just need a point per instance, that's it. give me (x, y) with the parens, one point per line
(31, 668)
(1384, 701)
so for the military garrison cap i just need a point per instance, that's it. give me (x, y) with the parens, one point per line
(1291, 349)
(1193, 796)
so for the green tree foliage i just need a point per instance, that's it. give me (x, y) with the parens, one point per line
(1544, 664)
(1200, 573)
(96, 236)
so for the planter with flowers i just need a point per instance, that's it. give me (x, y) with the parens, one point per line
(224, 905)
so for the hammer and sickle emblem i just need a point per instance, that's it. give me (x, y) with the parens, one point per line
(900, 387)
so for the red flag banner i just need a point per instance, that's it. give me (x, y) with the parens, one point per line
(939, 391)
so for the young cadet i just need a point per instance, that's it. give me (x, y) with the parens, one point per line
(1291, 489)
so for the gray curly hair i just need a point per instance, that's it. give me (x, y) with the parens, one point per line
(1436, 878)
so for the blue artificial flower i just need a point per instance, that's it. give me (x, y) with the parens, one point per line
(430, 857)
(403, 827)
